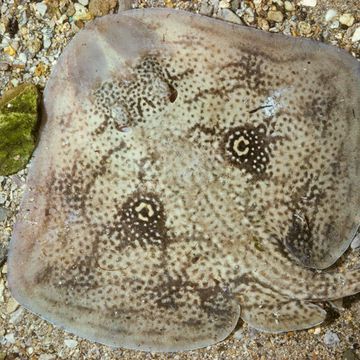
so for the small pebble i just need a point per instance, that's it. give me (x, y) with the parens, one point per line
(4, 213)
(70, 343)
(330, 15)
(249, 15)
(84, 2)
(2, 28)
(169, 3)
(4, 269)
(23, 19)
(239, 335)
(34, 46)
(22, 58)
(2, 288)
(304, 28)
(347, 19)
(16, 316)
(15, 82)
(69, 12)
(274, 15)
(41, 8)
(81, 13)
(124, 5)
(317, 331)
(9, 338)
(228, 15)
(12, 305)
(331, 339)
(263, 24)
(334, 25)
(355, 38)
(9, 50)
(355, 244)
(47, 357)
(46, 41)
(310, 3)
(2, 198)
(101, 7)
(3, 253)
(289, 6)
(206, 8)
(224, 4)
(252, 332)
(4, 66)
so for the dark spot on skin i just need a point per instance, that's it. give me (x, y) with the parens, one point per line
(247, 147)
(173, 94)
(167, 292)
(259, 108)
(141, 221)
(299, 237)
(44, 275)
(212, 300)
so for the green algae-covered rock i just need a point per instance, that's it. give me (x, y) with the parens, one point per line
(18, 124)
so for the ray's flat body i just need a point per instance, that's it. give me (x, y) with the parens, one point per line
(189, 173)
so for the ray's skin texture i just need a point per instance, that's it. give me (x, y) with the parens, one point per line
(189, 173)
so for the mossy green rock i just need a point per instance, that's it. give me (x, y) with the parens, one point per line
(18, 124)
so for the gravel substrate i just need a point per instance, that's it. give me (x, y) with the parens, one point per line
(32, 36)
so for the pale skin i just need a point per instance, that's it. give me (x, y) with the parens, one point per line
(191, 176)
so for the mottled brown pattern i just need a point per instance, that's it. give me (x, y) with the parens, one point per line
(202, 177)
(248, 148)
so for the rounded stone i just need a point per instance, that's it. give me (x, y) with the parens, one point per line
(18, 125)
